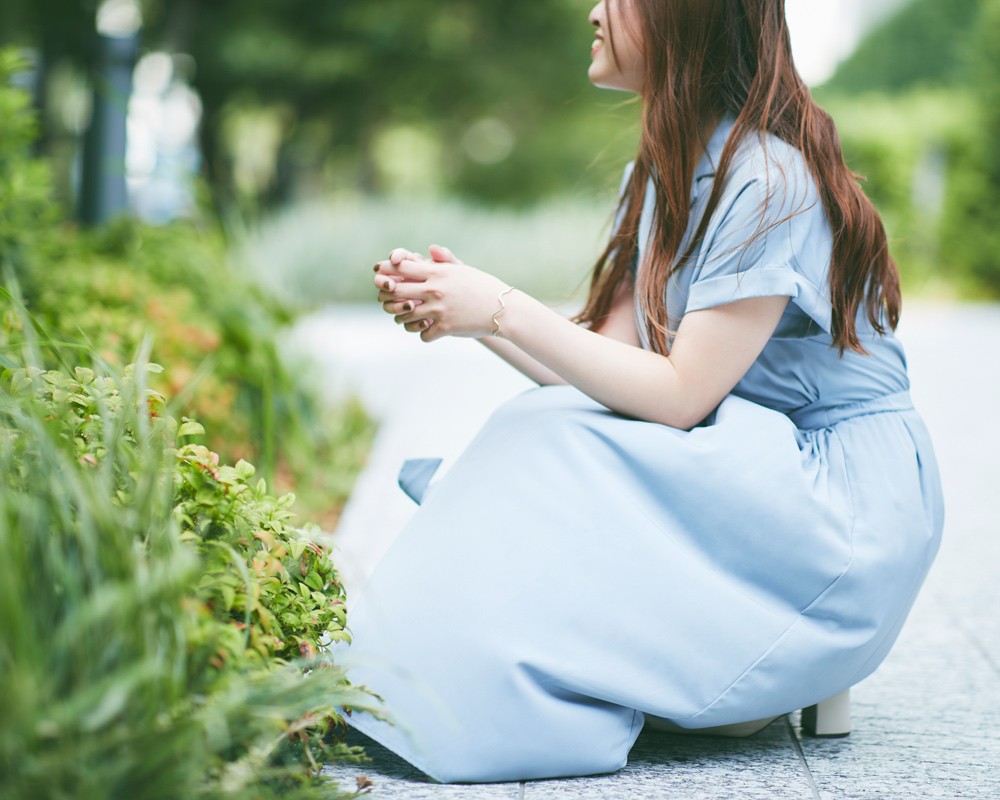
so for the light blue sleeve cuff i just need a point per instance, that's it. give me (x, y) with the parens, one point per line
(781, 281)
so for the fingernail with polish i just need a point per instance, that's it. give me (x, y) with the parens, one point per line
(407, 307)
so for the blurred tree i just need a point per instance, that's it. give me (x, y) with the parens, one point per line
(62, 31)
(340, 75)
(972, 220)
(491, 93)
(925, 132)
(64, 37)
(925, 42)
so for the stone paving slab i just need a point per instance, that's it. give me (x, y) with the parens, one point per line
(926, 724)
(661, 765)
(392, 778)
(765, 766)
(953, 351)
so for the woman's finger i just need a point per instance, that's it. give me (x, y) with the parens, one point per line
(415, 270)
(443, 254)
(385, 269)
(417, 325)
(401, 254)
(430, 332)
(400, 306)
(402, 291)
(413, 315)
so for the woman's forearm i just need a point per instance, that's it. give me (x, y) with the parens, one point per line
(618, 324)
(711, 351)
(626, 379)
(521, 361)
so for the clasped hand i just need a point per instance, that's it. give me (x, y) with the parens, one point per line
(437, 296)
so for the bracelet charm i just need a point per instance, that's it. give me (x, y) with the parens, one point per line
(494, 320)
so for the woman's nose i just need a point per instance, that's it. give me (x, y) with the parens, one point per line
(595, 18)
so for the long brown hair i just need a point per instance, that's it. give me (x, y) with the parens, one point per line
(705, 59)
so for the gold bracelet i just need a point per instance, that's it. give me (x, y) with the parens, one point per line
(494, 319)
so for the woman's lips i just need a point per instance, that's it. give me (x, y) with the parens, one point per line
(597, 45)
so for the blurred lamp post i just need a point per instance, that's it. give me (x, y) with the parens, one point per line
(103, 192)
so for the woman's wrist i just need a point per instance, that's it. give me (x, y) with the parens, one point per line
(496, 320)
(515, 318)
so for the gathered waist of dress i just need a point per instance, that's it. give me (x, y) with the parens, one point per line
(817, 415)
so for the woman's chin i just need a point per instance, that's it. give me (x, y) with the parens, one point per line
(599, 77)
(606, 82)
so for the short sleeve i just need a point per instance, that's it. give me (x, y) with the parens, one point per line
(768, 237)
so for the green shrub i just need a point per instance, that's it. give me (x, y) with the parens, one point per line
(215, 328)
(150, 597)
(218, 333)
(27, 214)
(910, 148)
(972, 223)
(930, 83)
(923, 43)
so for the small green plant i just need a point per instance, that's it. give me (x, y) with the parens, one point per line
(274, 583)
(154, 602)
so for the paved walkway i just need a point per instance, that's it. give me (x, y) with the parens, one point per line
(926, 724)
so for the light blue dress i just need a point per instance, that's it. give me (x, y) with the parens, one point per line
(576, 570)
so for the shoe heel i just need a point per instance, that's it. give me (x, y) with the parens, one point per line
(830, 719)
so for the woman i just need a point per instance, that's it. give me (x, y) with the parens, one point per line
(726, 509)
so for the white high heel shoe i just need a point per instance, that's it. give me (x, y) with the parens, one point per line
(830, 719)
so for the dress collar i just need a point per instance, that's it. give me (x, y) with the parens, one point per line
(713, 150)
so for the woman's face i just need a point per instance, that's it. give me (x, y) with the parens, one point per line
(623, 68)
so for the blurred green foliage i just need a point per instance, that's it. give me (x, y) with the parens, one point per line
(926, 43)
(344, 76)
(917, 108)
(217, 330)
(914, 106)
(147, 593)
(487, 101)
(491, 96)
(309, 254)
(161, 615)
(971, 225)
(27, 213)
(906, 147)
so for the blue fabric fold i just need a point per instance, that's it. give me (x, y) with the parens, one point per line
(415, 475)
